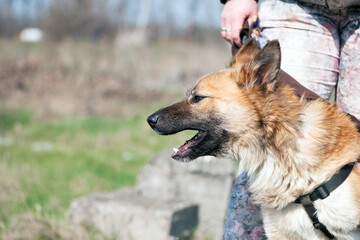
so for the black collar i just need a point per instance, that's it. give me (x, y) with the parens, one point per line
(322, 192)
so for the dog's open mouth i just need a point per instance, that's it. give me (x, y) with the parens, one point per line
(184, 150)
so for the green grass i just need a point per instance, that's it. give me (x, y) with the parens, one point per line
(46, 164)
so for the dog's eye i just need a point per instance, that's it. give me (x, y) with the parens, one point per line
(197, 99)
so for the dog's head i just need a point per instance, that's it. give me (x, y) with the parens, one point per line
(220, 107)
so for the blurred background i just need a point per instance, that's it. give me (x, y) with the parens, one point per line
(77, 80)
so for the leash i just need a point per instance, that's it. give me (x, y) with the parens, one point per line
(322, 192)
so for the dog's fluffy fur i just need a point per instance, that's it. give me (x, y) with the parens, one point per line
(286, 145)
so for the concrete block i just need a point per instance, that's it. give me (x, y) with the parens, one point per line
(124, 214)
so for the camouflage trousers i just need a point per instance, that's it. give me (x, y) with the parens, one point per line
(320, 48)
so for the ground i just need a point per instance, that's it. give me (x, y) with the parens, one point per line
(72, 122)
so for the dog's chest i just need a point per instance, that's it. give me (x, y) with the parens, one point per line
(291, 222)
(338, 212)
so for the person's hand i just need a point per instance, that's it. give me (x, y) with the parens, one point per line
(233, 17)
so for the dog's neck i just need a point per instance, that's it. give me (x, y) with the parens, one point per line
(294, 150)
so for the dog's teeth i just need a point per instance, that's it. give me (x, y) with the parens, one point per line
(175, 150)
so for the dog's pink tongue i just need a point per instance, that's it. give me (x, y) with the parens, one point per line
(181, 150)
(184, 148)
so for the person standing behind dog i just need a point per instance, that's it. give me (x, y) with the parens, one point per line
(320, 47)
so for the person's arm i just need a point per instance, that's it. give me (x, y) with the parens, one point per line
(233, 16)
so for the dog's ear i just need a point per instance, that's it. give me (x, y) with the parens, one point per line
(266, 65)
(246, 53)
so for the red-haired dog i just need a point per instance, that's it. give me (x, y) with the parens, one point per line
(287, 146)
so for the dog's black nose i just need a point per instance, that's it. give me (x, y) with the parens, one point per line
(153, 119)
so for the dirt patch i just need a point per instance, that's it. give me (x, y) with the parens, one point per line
(29, 226)
(77, 78)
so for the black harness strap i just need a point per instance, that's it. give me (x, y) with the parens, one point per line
(322, 192)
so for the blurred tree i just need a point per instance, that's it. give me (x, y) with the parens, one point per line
(8, 25)
(78, 19)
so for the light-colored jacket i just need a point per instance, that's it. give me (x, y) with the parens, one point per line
(333, 4)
